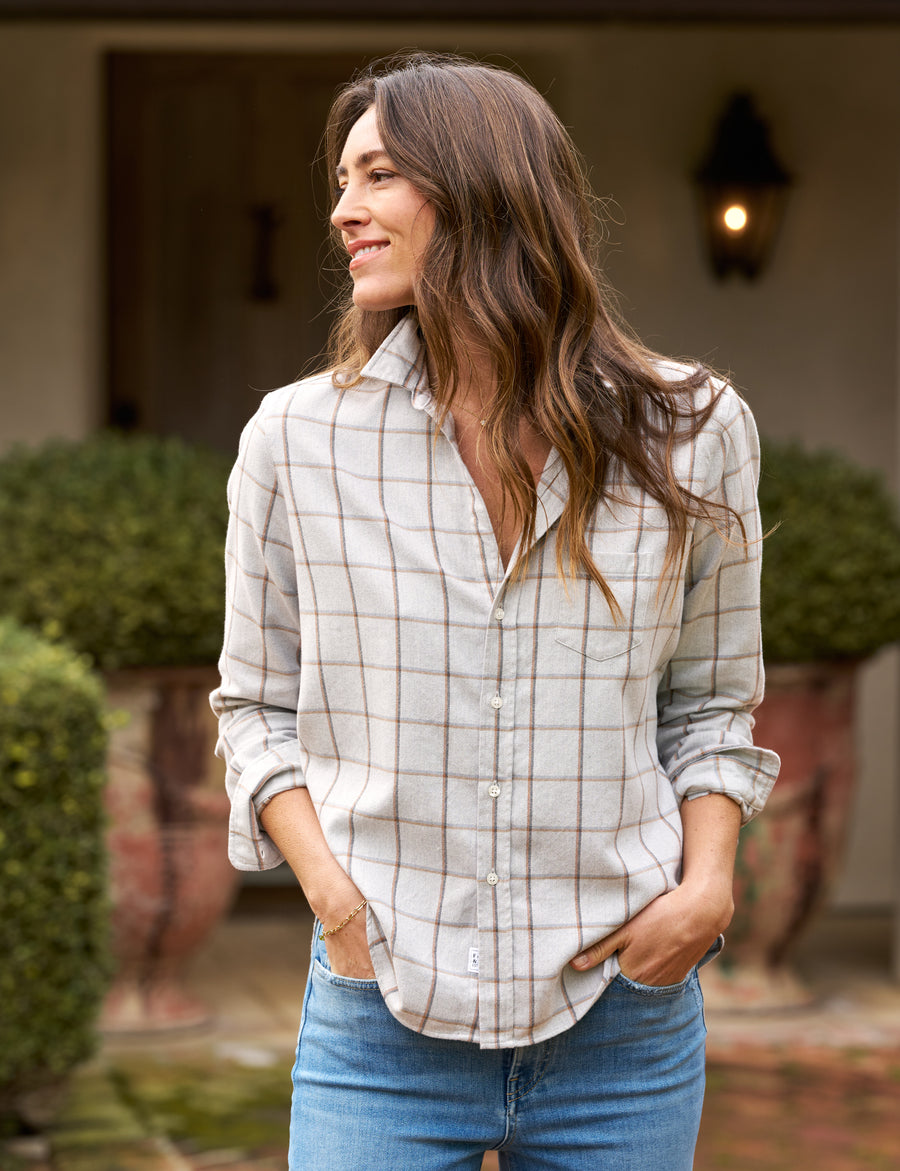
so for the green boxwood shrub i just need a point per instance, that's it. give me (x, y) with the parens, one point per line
(116, 545)
(54, 959)
(831, 569)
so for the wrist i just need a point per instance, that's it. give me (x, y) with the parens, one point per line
(327, 932)
(712, 898)
(334, 903)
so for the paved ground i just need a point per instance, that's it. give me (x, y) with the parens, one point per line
(817, 1087)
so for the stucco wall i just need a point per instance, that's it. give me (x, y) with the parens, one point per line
(49, 303)
(814, 344)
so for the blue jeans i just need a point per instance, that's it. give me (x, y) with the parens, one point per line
(621, 1090)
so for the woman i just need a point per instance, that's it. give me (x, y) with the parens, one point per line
(491, 655)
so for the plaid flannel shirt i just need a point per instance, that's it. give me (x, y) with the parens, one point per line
(498, 764)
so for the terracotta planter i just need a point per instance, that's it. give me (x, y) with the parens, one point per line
(789, 856)
(170, 879)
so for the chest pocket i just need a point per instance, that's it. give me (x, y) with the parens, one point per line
(584, 621)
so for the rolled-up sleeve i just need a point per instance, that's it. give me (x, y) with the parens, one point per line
(256, 703)
(715, 678)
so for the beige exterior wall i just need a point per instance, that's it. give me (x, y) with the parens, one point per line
(49, 279)
(814, 343)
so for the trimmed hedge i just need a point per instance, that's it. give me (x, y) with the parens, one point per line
(116, 545)
(831, 569)
(54, 959)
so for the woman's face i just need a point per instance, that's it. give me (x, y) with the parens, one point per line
(384, 221)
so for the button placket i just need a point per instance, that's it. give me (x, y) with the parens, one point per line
(494, 806)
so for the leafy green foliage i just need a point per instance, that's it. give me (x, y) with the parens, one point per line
(54, 958)
(831, 570)
(116, 545)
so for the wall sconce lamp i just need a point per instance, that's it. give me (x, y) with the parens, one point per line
(743, 191)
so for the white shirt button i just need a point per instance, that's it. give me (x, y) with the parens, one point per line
(493, 878)
(496, 701)
(499, 613)
(494, 790)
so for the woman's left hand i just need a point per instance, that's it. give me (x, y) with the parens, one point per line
(662, 943)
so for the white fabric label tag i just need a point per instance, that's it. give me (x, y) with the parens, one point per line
(473, 959)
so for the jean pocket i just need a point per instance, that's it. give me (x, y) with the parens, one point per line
(325, 973)
(654, 989)
(322, 967)
(713, 951)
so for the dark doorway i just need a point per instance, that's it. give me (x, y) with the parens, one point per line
(216, 235)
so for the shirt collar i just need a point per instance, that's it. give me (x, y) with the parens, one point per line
(400, 361)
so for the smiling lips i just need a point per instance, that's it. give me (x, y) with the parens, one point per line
(362, 250)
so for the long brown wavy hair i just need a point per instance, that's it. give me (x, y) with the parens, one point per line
(513, 265)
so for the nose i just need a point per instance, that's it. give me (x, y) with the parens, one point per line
(348, 210)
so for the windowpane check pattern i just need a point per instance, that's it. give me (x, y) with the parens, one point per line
(498, 764)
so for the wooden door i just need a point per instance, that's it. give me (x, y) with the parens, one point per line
(217, 281)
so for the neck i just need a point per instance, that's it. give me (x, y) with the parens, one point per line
(474, 390)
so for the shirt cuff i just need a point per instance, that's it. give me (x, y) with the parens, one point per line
(279, 783)
(746, 775)
(249, 846)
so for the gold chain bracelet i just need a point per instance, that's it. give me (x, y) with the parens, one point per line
(343, 923)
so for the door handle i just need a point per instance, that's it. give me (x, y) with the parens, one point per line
(266, 221)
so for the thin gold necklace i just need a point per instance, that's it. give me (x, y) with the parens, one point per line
(471, 414)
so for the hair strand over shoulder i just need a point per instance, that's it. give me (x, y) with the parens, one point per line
(512, 266)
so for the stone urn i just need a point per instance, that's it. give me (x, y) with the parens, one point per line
(790, 854)
(170, 879)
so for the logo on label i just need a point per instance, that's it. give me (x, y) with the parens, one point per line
(473, 959)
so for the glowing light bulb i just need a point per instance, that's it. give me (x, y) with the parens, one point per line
(735, 218)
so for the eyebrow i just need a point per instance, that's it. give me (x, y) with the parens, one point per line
(363, 160)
